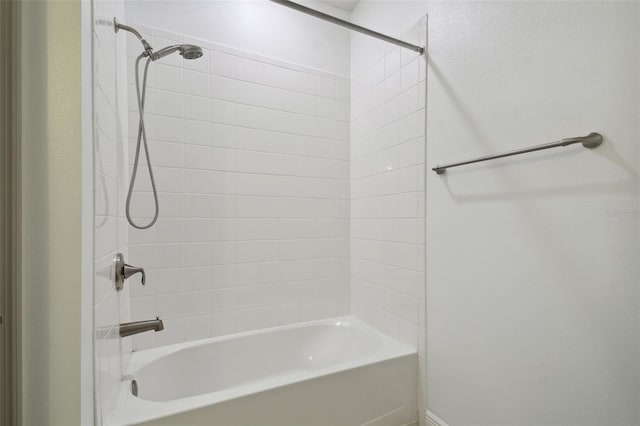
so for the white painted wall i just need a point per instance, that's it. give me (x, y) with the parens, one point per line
(258, 26)
(51, 214)
(532, 272)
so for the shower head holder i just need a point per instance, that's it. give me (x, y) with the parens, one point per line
(117, 26)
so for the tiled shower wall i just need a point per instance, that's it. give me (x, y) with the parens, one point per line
(251, 159)
(387, 188)
(388, 140)
(110, 228)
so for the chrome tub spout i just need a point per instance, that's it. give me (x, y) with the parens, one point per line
(135, 327)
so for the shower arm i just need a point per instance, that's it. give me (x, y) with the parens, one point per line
(148, 50)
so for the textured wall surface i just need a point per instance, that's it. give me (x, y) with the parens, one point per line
(532, 272)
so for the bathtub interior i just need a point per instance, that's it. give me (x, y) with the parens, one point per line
(241, 360)
(230, 377)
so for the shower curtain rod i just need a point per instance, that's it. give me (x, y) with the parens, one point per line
(349, 25)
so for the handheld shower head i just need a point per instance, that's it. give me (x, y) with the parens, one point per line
(188, 51)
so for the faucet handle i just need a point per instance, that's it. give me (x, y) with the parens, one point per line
(124, 271)
(128, 270)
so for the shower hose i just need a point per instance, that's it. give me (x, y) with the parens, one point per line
(142, 139)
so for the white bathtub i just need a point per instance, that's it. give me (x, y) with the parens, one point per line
(326, 373)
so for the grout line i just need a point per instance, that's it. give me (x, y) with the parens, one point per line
(418, 140)
(385, 264)
(386, 195)
(184, 144)
(236, 102)
(232, 172)
(383, 172)
(155, 114)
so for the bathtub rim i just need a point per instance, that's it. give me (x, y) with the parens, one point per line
(131, 409)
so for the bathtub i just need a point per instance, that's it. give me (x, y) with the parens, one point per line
(331, 372)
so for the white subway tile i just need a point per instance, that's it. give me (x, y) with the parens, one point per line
(222, 64)
(222, 253)
(197, 278)
(343, 90)
(326, 87)
(166, 154)
(170, 306)
(256, 251)
(168, 128)
(168, 103)
(197, 181)
(222, 159)
(307, 83)
(197, 157)
(259, 118)
(298, 102)
(256, 72)
(197, 327)
(197, 205)
(196, 83)
(257, 273)
(197, 303)
(169, 230)
(327, 108)
(143, 308)
(257, 95)
(258, 229)
(223, 276)
(288, 79)
(222, 182)
(409, 101)
(222, 88)
(392, 61)
(168, 256)
(222, 112)
(197, 132)
(196, 108)
(168, 77)
(410, 74)
(223, 135)
(197, 230)
(223, 300)
(197, 254)
(223, 323)
(222, 206)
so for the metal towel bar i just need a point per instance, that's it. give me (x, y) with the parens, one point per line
(592, 140)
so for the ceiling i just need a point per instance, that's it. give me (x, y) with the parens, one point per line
(347, 5)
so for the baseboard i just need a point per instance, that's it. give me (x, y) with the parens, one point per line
(433, 420)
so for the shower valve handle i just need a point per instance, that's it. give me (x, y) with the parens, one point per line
(124, 271)
(131, 270)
